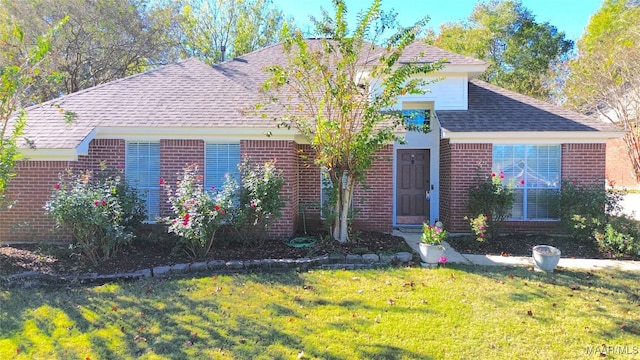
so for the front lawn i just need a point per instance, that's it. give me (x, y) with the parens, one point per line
(394, 313)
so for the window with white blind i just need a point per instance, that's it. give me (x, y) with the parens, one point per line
(534, 173)
(221, 159)
(142, 170)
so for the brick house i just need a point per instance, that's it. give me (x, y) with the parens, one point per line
(153, 124)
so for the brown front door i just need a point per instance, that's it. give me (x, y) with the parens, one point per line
(412, 205)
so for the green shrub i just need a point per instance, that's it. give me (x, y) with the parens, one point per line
(585, 209)
(197, 214)
(101, 211)
(490, 202)
(620, 237)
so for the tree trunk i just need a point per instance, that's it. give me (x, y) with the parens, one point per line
(335, 227)
(344, 214)
(632, 140)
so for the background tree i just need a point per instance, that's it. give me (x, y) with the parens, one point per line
(604, 77)
(213, 30)
(103, 40)
(339, 105)
(521, 52)
(19, 70)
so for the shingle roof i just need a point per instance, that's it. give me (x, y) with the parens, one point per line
(191, 94)
(494, 109)
(186, 94)
(421, 52)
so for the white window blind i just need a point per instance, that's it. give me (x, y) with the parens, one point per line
(221, 159)
(534, 172)
(142, 170)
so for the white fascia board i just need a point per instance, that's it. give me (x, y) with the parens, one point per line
(49, 154)
(472, 69)
(209, 134)
(541, 137)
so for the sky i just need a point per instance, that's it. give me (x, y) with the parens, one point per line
(570, 16)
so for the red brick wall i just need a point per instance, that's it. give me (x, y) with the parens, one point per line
(285, 153)
(33, 185)
(619, 169)
(584, 163)
(309, 190)
(109, 151)
(31, 188)
(461, 162)
(445, 183)
(375, 197)
(175, 155)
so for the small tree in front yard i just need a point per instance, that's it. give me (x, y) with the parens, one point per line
(337, 92)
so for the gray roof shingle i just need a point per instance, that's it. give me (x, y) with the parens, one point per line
(191, 94)
(494, 109)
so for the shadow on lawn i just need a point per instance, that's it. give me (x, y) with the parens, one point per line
(621, 286)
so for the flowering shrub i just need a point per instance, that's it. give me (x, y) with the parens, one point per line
(479, 226)
(584, 209)
(490, 203)
(197, 214)
(101, 212)
(433, 234)
(259, 201)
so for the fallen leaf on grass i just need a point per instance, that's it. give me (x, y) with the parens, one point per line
(511, 276)
(574, 287)
(114, 308)
(391, 302)
(529, 312)
(139, 338)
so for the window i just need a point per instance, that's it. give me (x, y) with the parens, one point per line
(221, 159)
(534, 173)
(142, 170)
(417, 117)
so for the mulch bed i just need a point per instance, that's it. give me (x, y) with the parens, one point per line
(522, 245)
(144, 254)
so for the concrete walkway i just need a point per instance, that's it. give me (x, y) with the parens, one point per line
(453, 256)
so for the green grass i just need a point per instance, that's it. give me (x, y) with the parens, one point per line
(397, 313)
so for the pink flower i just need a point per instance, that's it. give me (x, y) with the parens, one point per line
(222, 212)
(216, 208)
(57, 186)
(501, 174)
(104, 202)
(96, 203)
(522, 182)
(482, 235)
(253, 205)
(213, 187)
(493, 174)
(161, 181)
(442, 260)
(186, 219)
